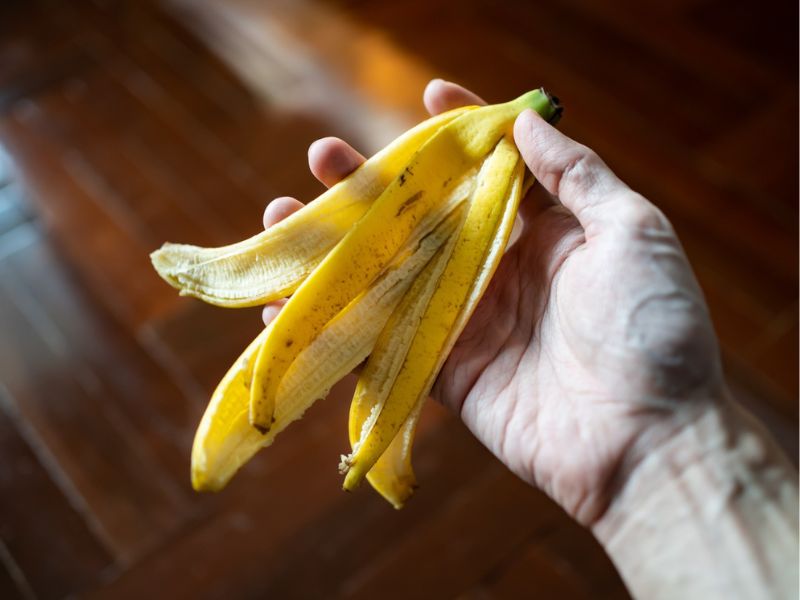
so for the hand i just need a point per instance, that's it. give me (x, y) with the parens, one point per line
(593, 342)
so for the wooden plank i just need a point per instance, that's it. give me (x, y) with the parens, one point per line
(330, 554)
(74, 419)
(577, 552)
(172, 55)
(450, 553)
(764, 34)
(115, 183)
(201, 341)
(189, 117)
(158, 70)
(115, 30)
(645, 80)
(759, 153)
(35, 515)
(776, 356)
(311, 528)
(535, 573)
(107, 124)
(658, 26)
(12, 582)
(225, 553)
(33, 52)
(159, 411)
(254, 161)
(63, 191)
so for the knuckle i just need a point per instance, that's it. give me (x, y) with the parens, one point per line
(577, 170)
(637, 214)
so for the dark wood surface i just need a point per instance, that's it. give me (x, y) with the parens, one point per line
(124, 125)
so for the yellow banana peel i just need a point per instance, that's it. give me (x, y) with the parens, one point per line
(226, 440)
(271, 264)
(418, 338)
(388, 264)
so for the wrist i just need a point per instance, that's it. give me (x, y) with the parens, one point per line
(659, 460)
(711, 494)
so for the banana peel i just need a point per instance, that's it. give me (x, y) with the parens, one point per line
(226, 440)
(388, 264)
(416, 341)
(273, 263)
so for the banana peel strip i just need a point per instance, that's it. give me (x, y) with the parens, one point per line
(392, 476)
(483, 236)
(273, 263)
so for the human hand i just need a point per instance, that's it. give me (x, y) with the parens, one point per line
(593, 343)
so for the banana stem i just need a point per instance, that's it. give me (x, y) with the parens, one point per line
(542, 102)
(555, 107)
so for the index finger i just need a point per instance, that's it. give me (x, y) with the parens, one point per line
(440, 96)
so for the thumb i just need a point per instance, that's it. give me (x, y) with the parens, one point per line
(575, 174)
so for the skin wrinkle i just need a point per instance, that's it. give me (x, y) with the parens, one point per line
(603, 497)
(563, 321)
(548, 364)
(529, 309)
(678, 475)
(474, 379)
(526, 304)
(572, 176)
(734, 490)
(479, 380)
(511, 409)
(576, 172)
(649, 444)
(732, 495)
(579, 174)
(565, 248)
(658, 237)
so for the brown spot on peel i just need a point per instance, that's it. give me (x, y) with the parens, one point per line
(408, 203)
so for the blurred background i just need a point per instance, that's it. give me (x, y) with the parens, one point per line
(124, 124)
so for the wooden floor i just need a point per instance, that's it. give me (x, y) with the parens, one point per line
(120, 129)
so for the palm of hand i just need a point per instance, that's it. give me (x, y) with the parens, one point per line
(578, 347)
